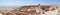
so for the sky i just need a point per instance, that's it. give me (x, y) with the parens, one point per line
(16, 3)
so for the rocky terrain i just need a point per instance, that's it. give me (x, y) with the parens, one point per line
(33, 10)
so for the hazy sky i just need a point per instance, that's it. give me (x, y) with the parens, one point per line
(23, 2)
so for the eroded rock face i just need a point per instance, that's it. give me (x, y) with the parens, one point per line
(34, 10)
(46, 8)
(39, 9)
